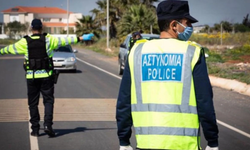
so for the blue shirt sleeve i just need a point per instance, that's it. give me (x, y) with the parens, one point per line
(123, 109)
(204, 98)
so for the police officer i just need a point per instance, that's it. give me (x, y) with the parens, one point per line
(38, 50)
(165, 92)
(135, 36)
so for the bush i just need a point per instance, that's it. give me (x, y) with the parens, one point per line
(227, 38)
(214, 57)
(7, 41)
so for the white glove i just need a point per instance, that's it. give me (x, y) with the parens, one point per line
(126, 148)
(212, 148)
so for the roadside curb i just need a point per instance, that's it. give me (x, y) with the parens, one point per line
(232, 85)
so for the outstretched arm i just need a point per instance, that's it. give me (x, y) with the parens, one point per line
(19, 48)
(56, 42)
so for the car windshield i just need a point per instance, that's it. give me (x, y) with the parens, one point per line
(64, 49)
(150, 37)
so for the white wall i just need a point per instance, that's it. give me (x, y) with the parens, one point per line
(29, 18)
(14, 17)
(6, 18)
(3, 36)
(74, 17)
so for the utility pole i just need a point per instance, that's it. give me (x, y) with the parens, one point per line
(107, 24)
(67, 18)
(221, 34)
(151, 29)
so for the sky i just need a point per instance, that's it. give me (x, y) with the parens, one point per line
(206, 11)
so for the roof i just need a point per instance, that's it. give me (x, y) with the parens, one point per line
(36, 10)
(57, 24)
(146, 35)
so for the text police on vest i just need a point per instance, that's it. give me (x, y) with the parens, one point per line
(162, 67)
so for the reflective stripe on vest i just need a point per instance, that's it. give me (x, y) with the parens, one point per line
(38, 74)
(66, 41)
(168, 134)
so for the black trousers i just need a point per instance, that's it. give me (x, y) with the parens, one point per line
(35, 87)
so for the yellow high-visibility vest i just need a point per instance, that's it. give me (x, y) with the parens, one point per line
(21, 48)
(163, 99)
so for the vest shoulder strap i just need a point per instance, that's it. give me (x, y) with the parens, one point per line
(28, 38)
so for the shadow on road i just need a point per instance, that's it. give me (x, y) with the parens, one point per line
(70, 71)
(61, 132)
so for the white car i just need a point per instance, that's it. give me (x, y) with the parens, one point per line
(64, 58)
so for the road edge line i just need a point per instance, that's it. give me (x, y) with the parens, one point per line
(99, 68)
(233, 128)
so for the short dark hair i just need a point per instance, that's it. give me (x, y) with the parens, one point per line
(165, 24)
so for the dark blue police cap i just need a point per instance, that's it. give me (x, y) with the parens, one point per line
(136, 33)
(36, 24)
(174, 9)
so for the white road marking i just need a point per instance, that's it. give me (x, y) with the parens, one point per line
(33, 140)
(233, 128)
(118, 77)
(218, 121)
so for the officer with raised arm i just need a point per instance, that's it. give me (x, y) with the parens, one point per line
(38, 51)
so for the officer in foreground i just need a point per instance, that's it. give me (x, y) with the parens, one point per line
(38, 50)
(165, 92)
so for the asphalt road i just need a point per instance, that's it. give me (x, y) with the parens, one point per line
(85, 109)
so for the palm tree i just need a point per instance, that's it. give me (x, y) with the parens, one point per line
(149, 3)
(138, 17)
(116, 11)
(87, 25)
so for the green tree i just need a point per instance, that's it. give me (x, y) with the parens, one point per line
(15, 29)
(87, 25)
(117, 9)
(149, 2)
(115, 12)
(136, 18)
(206, 29)
(241, 28)
(246, 21)
(226, 26)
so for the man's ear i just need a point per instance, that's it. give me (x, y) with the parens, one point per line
(173, 25)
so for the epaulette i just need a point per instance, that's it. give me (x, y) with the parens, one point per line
(45, 34)
(194, 43)
(141, 41)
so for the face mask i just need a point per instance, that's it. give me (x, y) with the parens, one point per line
(184, 36)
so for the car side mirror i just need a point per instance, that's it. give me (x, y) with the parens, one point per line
(123, 46)
(75, 51)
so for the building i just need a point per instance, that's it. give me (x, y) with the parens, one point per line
(197, 29)
(54, 19)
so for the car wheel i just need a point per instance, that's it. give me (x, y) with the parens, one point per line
(120, 69)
